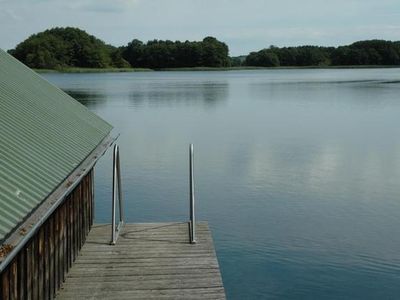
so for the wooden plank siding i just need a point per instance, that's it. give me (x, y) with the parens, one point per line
(39, 269)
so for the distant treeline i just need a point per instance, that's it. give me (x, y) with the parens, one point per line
(60, 48)
(372, 52)
(168, 54)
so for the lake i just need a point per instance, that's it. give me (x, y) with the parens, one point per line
(297, 171)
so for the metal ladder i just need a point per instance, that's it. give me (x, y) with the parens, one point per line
(117, 193)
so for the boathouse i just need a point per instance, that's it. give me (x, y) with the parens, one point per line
(49, 144)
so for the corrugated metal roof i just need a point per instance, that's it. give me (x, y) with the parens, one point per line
(44, 135)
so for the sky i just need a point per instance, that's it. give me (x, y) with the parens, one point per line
(244, 25)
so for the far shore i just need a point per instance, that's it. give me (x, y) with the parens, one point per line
(126, 70)
(92, 70)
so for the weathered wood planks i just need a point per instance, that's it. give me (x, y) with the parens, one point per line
(149, 261)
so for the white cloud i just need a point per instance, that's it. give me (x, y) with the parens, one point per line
(103, 6)
(243, 25)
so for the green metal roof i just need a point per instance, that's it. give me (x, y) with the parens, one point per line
(44, 135)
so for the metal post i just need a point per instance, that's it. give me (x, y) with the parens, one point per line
(114, 194)
(93, 202)
(192, 223)
(121, 207)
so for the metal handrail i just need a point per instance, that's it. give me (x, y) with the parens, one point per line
(192, 222)
(117, 192)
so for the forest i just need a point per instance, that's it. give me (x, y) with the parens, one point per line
(158, 54)
(372, 52)
(59, 48)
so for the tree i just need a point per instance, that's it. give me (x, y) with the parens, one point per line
(157, 54)
(372, 52)
(66, 47)
(263, 58)
(215, 53)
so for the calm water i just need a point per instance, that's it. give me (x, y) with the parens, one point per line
(298, 171)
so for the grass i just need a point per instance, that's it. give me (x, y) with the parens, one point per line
(279, 68)
(120, 70)
(92, 70)
(209, 68)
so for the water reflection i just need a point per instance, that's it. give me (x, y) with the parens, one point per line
(90, 98)
(360, 93)
(297, 171)
(208, 94)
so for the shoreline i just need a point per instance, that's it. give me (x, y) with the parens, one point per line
(189, 69)
(92, 70)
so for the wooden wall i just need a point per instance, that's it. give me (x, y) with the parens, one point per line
(39, 269)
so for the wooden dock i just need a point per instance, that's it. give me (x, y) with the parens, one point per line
(149, 261)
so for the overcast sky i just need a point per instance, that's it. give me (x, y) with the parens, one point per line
(244, 25)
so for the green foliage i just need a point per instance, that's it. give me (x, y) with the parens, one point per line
(157, 54)
(292, 56)
(237, 61)
(214, 53)
(373, 52)
(263, 58)
(63, 48)
(67, 47)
